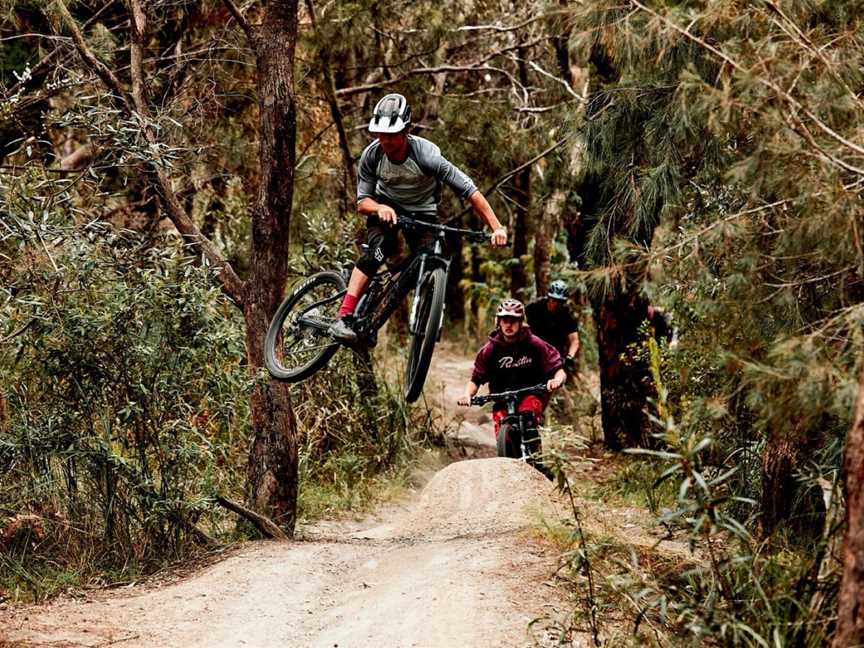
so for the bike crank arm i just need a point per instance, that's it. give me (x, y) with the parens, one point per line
(321, 324)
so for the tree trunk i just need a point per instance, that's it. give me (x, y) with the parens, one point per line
(368, 388)
(476, 277)
(574, 225)
(625, 381)
(522, 184)
(349, 177)
(455, 293)
(272, 470)
(547, 224)
(561, 47)
(850, 607)
(779, 461)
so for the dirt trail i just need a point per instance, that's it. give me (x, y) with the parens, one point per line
(454, 567)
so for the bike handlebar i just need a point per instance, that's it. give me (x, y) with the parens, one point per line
(474, 236)
(507, 395)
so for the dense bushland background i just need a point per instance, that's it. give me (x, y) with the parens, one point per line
(702, 158)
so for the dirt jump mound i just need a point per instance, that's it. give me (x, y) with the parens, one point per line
(479, 497)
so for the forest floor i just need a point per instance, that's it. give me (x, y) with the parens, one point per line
(459, 563)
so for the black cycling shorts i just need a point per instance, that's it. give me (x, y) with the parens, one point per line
(382, 243)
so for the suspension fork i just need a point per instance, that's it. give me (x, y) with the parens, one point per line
(415, 304)
(437, 261)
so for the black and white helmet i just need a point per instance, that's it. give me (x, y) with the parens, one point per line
(510, 308)
(557, 290)
(392, 115)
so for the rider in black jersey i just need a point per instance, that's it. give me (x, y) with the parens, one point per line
(551, 320)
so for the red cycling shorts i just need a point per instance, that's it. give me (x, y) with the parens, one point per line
(529, 403)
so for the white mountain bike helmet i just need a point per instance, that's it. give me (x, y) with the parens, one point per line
(557, 290)
(392, 115)
(510, 308)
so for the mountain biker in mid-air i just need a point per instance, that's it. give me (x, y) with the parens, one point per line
(401, 172)
(515, 358)
(550, 319)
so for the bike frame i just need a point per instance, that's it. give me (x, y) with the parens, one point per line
(522, 421)
(379, 308)
(385, 292)
(386, 296)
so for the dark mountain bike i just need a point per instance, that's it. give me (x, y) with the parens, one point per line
(518, 433)
(298, 342)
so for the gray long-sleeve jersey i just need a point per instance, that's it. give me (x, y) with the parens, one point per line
(415, 184)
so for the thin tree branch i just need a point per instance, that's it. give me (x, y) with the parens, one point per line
(335, 112)
(516, 27)
(504, 178)
(794, 32)
(563, 82)
(264, 524)
(347, 92)
(759, 78)
(527, 164)
(231, 283)
(87, 54)
(241, 20)
(50, 55)
(15, 334)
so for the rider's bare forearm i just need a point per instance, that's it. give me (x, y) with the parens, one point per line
(573, 342)
(368, 207)
(557, 380)
(484, 210)
(385, 213)
(470, 390)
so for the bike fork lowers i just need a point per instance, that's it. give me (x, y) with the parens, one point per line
(415, 305)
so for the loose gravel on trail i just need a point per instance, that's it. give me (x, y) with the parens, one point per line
(454, 565)
(454, 568)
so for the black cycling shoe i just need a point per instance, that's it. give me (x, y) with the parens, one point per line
(341, 330)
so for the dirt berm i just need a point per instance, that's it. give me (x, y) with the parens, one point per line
(456, 567)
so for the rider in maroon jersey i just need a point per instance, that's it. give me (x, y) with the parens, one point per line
(515, 358)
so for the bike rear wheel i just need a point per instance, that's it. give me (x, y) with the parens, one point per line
(430, 309)
(297, 343)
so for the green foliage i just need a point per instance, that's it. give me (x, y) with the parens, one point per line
(125, 404)
(123, 388)
(739, 591)
(356, 444)
(721, 152)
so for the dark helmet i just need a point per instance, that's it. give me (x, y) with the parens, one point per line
(392, 115)
(510, 308)
(558, 290)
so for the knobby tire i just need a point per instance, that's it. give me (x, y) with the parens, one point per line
(429, 313)
(279, 367)
(505, 443)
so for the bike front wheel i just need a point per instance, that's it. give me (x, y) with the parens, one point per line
(505, 444)
(430, 310)
(298, 343)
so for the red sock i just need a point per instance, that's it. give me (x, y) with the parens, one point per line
(348, 305)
